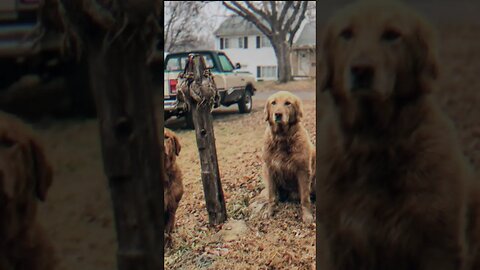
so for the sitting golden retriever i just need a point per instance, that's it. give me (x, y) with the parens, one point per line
(25, 176)
(392, 178)
(288, 153)
(172, 185)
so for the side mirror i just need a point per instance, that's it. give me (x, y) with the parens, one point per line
(238, 66)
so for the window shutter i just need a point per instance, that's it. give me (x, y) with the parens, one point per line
(221, 43)
(245, 42)
(259, 72)
(258, 42)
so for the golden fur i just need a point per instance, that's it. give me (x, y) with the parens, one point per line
(172, 186)
(288, 153)
(392, 178)
(25, 177)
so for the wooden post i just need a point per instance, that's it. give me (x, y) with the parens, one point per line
(200, 92)
(115, 44)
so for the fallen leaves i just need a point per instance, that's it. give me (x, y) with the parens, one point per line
(261, 241)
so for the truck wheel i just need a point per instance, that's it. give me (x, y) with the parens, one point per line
(189, 120)
(245, 104)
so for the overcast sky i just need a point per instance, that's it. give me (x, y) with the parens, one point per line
(218, 11)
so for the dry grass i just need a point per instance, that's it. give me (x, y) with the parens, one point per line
(293, 86)
(283, 242)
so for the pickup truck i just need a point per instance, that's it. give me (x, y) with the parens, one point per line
(234, 86)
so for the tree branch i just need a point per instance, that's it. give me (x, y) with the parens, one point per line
(262, 14)
(273, 5)
(285, 9)
(249, 16)
(292, 17)
(294, 30)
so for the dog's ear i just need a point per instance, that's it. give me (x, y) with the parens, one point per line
(425, 56)
(41, 171)
(323, 52)
(176, 144)
(298, 109)
(266, 110)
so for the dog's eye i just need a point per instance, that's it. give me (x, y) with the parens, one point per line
(347, 34)
(287, 103)
(274, 102)
(390, 35)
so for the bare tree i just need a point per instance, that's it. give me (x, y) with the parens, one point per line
(312, 11)
(182, 19)
(279, 21)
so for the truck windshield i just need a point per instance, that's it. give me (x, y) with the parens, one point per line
(226, 65)
(178, 62)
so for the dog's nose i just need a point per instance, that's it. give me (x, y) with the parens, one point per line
(278, 117)
(362, 76)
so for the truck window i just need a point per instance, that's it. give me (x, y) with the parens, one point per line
(175, 63)
(178, 62)
(226, 65)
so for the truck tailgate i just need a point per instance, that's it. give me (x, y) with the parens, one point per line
(166, 89)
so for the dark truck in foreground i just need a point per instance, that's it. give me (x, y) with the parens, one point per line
(234, 86)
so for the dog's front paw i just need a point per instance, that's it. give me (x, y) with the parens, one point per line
(269, 212)
(307, 217)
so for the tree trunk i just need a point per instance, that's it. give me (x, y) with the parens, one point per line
(282, 52)
(121, 83)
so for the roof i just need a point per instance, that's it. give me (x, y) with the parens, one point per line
(237, 26)
(307, 36)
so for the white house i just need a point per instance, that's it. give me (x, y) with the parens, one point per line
(245, 44)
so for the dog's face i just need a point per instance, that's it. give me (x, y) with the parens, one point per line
(172, 147)
(379, 50)
(25, 174)
(283, 109)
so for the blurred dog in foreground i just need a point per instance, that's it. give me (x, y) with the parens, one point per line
(288, 154)
(392, 179)
(25, 177)
(172, 185)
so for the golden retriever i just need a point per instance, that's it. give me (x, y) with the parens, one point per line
(288, 153)
(172, 185)
(392, 179)
(25, 177)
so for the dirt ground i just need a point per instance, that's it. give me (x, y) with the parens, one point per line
(262, 244)
(77, 215)
(293, 86)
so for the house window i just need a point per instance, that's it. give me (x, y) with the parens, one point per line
(266, 42)
(243, 42)
(221, 44)
(226, 43)
(263, 42)
(267, 72)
